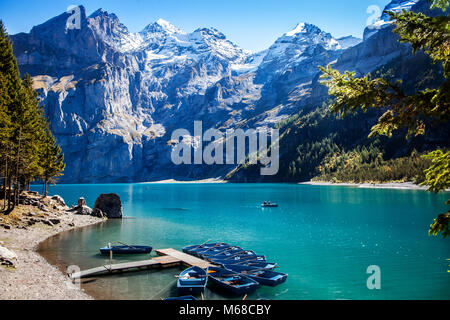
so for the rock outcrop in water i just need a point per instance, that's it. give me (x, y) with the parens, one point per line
(110, 205)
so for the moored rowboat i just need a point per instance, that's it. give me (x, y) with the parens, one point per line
(231, 281)
(214, 250)
(262, 276)
(229, 252)
(126, 250)
(256, 264)
(195, 249)
(192, 280)
(239, 259)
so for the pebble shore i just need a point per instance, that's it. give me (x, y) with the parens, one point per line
(31, 277)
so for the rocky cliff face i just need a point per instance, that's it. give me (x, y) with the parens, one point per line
(114, 97)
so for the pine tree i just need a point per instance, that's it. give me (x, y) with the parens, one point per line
(415, 111)
(35, 138)
(52, 160)
(12, 98)
(5, 133)
(27, 132)
(29, 150)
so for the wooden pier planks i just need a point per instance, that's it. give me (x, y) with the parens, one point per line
(185, 258)
(167, 258)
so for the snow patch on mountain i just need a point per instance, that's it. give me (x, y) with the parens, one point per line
(348, 42)
(384, 21)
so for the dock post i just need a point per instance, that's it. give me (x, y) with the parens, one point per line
(110, 256)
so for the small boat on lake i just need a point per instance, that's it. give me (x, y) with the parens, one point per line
(229, 252)
(195, 249)
(184, 298)
(231, 281)
(260, 264)
(217, 250)
(126, 250)
(239, 259)
(192, 280)
(262, 276)
(268, 204)
(244, 254)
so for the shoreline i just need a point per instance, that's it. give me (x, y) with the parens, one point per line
(33, 277)
(388, 185)
(173, 181)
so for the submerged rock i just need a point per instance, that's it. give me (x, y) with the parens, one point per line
(110, 205)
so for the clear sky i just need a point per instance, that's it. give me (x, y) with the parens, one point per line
(251, 24)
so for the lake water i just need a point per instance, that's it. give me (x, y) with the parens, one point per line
(325, 238)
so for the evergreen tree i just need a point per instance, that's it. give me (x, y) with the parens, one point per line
(52, 160)
(5, 133)
(29, 150)
(418, 111)
(12, 87)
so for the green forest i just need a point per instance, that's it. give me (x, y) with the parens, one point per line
(29, 149)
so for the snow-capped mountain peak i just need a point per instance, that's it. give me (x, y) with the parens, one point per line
(306, 34)
(302, 38)
(161, 26)
(303, 28)
(298, 29)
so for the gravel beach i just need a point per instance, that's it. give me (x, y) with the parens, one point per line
(390, 185)
(31, 277)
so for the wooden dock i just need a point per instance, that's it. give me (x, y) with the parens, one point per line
(186, 259)
(167, 258)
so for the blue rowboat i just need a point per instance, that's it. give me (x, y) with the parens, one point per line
(269, 205)
(231, 281)
(213, 250)
(192, 248)
(239, 259)
(236, 255)
(197, 248)
(185, 298)
(262, 276)
(192, 280)
(218, 250)
(224, 253)
(126, 250)
(254, 264)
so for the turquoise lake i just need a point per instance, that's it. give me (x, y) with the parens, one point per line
(324, 237)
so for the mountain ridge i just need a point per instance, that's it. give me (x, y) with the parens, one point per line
(109, 91)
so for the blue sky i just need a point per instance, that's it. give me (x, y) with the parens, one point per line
(251, 24)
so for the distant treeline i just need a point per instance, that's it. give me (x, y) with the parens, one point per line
(318, 145)
(28, 149)
(363, 165)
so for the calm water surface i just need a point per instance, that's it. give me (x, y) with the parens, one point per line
(323, 237)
